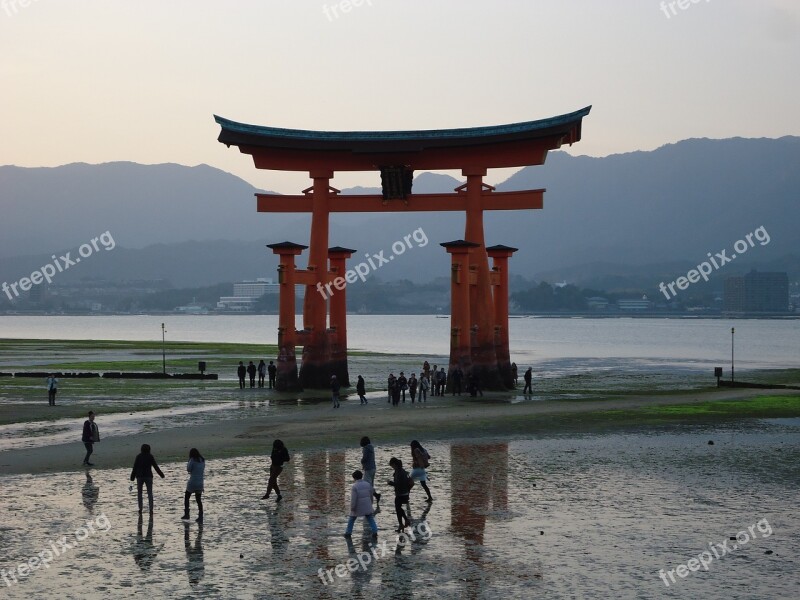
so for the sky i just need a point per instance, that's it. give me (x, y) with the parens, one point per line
(99, 81)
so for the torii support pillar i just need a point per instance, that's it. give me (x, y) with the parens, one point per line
(460, 337)
(500, 255)
(338, 334)
(286, 378)
(484, 357)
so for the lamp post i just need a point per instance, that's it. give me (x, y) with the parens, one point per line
(163, 349)
(732, 332)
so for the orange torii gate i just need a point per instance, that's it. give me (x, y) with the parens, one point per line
(479, 326)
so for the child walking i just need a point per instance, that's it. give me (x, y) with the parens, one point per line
(196, 468)
(361, 504)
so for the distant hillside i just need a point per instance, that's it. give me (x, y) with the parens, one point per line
(198, 225)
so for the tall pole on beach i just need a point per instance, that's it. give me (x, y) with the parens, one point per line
(163, 349)
(732, 332)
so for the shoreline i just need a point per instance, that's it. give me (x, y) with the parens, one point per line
(319, 426)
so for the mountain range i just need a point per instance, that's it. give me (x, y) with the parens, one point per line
(663, 210)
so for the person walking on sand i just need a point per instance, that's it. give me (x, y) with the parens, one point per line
(401, 482)
(514, 374)
(279, 456)
(251, 371)
(412, 386)
(361, 389)
(196, 468)
(420, 461)
(528, 378)
(368, 464)
(396, 393)
(91, 434)
(273, 371)
(402, 383)
(242, 373)
(52, 389)
(458, 377)
(390, 386)
(142, 472)
(262, 373)
(361, 504)
(424, 386)
(335, 387)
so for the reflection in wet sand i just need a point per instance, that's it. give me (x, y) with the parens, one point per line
(592, 496)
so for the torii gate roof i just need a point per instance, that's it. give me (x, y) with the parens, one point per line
(512, 145)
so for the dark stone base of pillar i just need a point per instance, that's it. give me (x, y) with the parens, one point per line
(286, 379)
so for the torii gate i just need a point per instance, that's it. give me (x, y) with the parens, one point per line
(479, 327)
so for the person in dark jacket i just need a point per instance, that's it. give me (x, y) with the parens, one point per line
(251, 371)
(514, 373)
(143, 474)
(458, 377)
(273, 371)
(361, 389)
(91, 434)
(419, 462)
(279, 456)
(242, 373)
(391, 384)
(412, 386)
(528, 377)
(401, 482)
(402, 383)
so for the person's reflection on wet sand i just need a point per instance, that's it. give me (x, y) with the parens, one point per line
(276, 514)
(90, 493)
(362, 576)
(144, 551)
(195, 566)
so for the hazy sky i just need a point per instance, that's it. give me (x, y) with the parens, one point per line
(97, 81)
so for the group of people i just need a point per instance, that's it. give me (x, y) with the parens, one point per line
(363, 489)
(262, 370)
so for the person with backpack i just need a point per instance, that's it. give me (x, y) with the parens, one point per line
(402, 483)
(262, 372)
(142, 472)
(420, 461)
(361, 504)
(196, 468)
(279, 456)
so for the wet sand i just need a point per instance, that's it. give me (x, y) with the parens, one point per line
(249, 427)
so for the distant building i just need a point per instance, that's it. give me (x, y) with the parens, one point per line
(757, 292)
(635, 305)
(247, 293)
(597, 303)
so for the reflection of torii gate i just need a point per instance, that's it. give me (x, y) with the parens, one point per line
(479, 325)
